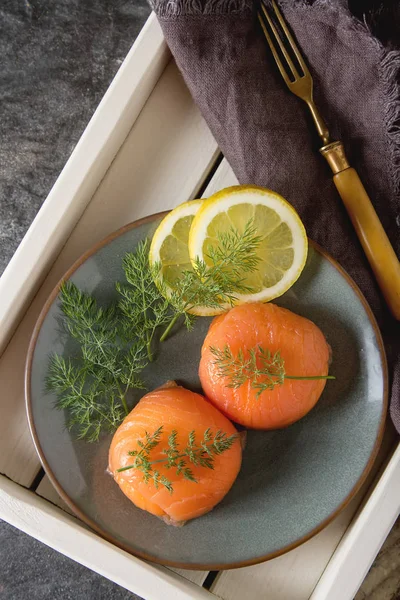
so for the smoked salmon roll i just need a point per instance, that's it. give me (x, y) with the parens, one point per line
(193, 419)
(252, 332)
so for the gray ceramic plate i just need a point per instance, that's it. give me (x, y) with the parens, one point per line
(292, 482)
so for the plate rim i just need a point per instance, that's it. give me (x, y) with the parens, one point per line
(109, 537)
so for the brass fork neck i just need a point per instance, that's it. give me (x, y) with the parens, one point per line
(335, 156)
(322, 129)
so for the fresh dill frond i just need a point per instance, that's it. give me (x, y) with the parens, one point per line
(93, 386)
(145, 308)
(235, 253)
(216, 281)
(262, 368)
(200, 454)
(91, 406)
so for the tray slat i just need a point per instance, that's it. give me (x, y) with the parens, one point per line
(223, 177)
(162, 162)
(46, 490)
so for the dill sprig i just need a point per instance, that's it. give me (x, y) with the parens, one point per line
(265, 370)
(94, 384)
(143, 305)
(89, 404)
(199, 454)
(216, 281)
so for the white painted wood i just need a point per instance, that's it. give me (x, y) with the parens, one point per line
(82, 174)
(162, 162)
(223, 177)
(196, 577)
(363, 539)
(47, 491)
(55, 528)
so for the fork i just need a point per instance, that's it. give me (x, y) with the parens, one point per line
(376, 244)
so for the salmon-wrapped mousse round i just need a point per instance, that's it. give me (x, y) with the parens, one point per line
(302, 350)
(180, 410)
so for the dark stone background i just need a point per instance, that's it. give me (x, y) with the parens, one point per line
(57, 59)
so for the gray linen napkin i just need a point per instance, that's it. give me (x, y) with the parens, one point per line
(266, 133)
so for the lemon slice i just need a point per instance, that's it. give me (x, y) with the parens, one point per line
(169, 246)
(283, 250)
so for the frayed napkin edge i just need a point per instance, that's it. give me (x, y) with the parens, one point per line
(178, 8)
(390, 77)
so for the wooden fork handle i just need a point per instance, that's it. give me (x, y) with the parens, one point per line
(376, 244)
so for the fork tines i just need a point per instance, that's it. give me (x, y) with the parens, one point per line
(281, 42)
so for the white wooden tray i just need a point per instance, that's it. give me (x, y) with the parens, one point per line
(147, 149)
